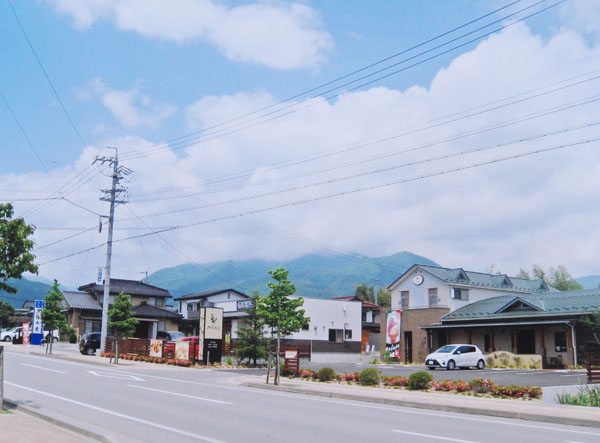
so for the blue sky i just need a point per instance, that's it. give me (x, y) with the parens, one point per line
(133, 74)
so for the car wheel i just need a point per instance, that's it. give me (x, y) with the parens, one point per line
(431, 368)
(7, 338)
(480, 364)
(90, 351)
(451, 365)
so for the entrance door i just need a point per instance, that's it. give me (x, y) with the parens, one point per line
(526, 341)
(408, 346)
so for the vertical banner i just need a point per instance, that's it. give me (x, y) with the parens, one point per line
(155, 348)
(182, 350)
(392, 336)
(37, 333)
(25, 333)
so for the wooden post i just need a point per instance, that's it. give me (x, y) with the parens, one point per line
(1, 378)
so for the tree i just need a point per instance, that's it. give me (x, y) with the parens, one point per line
(280, 312)
(6, 311)
(15, 247)
(251, 342)
(365, 293)
(121, 320)
(384, 298)
(591, 324)
(557, 278)
(52, 317)
(523, 274)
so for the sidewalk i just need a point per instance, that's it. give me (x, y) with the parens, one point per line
(508, 408)
(20, 427)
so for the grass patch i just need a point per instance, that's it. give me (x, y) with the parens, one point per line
(588, 396)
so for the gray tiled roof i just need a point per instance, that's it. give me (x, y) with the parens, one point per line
(540, 304)
(208, 294)
(131, 287)
(480, 279)
(80, 300)
(149, 311)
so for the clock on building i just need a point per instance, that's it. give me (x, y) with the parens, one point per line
(418, 279)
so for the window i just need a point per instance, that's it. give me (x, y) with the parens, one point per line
(460, 294)
(560, 341)
(364, 316)
(347, 334)
(404, 299)
(433, 298)
(305, 327)
(192, 306)
(336, 335)
(487, 342)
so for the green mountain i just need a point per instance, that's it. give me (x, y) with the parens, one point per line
(313, 275)
(26, 290)
(589, 282)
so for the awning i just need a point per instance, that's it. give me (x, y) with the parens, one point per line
(491, 324)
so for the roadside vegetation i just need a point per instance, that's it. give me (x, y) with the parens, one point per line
(587, 396)
(423, 381)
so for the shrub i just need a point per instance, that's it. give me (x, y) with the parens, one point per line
(461, 386)
(72, 337)
(229, 361)
(307, 373)
(489, 362)
(443, 385)
(419, 380)
(518, 361)
(369, 377)
(504, 362)
(481, 385)
(326, 374)
(587, 396)
(395, 381)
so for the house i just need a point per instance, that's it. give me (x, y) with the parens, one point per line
(84, 307)
(543, 323)
(335, 325)
(370, 323)
(426, 293)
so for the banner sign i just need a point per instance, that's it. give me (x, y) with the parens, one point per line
(100, 276)
(37, 327)
(392, 335)
(244, 304)
(155, 348)
(25, 332)
(182, 350)
(213, 324)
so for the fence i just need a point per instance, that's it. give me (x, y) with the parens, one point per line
(593, 362)
(141, 347)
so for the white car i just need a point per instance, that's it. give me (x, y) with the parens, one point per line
(8, 335)
(456, 356)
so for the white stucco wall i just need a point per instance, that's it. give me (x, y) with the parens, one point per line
(226, 300)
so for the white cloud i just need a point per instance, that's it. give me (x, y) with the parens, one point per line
(131, 108)
(583, 15)
(540, 209)
(275, 34)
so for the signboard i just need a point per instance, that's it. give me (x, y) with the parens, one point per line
(100, 277)
(25, 333)
(182, 350)
(213, 324)
(155, 348)
(392, 335)
(244, 304)
(291, 354)
(37, 328)
(212, 351)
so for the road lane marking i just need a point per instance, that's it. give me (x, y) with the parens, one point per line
(118, 376)
(41, 367)
(181, 395)
(118, 414)
(438, 437)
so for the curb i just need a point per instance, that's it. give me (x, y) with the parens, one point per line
(432, 406)
(76, 360)
(11, 405)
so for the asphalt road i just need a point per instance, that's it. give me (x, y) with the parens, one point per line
(157, 404)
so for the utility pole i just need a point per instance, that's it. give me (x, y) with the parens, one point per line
(111, 196)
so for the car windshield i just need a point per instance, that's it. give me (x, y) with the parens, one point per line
(445, 349)
(175, 335)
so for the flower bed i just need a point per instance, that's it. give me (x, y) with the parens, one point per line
(478, 387)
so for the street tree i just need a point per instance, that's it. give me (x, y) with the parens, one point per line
(6, 311)
(52, 316)
(280, 312)
(251, 343)
(121, 320)
(15, 248)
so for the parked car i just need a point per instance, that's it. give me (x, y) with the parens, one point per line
(90, 342)
(456, 356)
(170, 335)
(54, 334)
(9, 334)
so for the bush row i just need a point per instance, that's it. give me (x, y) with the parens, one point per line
(423, 381)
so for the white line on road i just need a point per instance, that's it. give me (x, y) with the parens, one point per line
(574, 375)
(41, 367)
(181, 395)
(438, 437)
(118, 414)
(117, 376)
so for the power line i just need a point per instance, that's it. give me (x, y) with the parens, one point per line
(217, 134)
